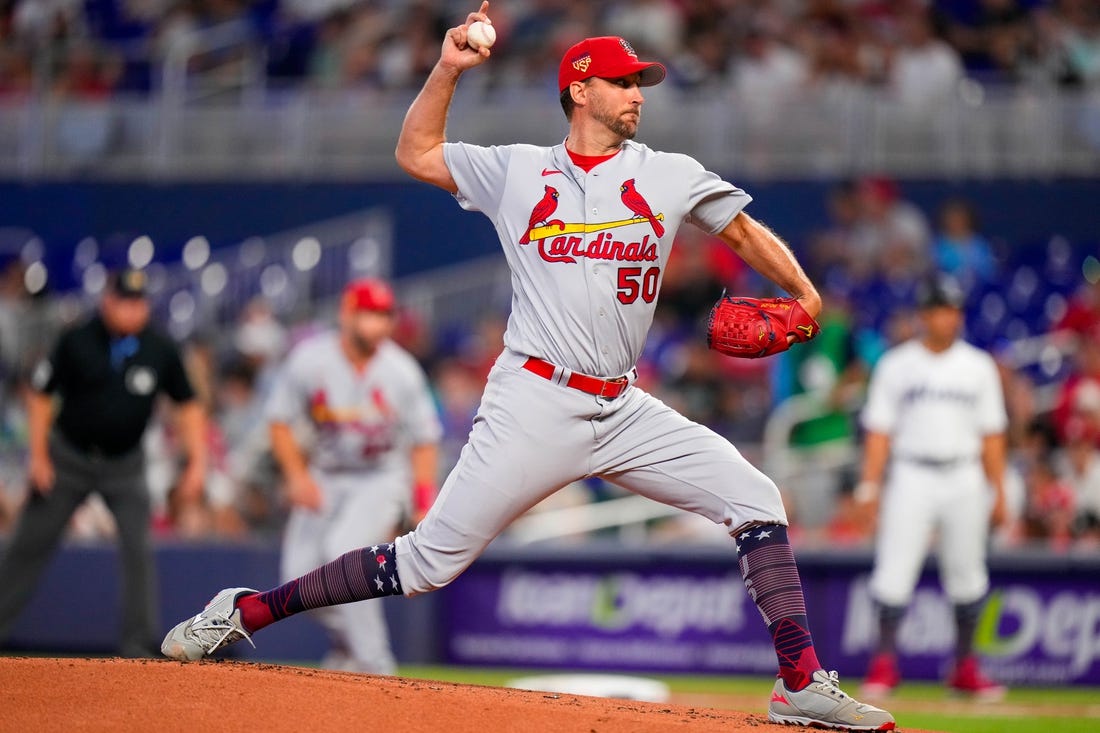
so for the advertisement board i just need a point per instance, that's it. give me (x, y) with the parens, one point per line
(1037, 627)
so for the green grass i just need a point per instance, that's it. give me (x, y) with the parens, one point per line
(917, 705)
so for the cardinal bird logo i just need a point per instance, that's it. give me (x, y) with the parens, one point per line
(637, 203)
(542, 211)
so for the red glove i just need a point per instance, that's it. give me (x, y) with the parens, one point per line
(749, 328)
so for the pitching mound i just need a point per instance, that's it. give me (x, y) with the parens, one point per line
(122, 695)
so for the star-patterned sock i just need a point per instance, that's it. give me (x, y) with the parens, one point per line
(771, 578)
(369, 572)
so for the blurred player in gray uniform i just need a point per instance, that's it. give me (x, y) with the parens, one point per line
(935, 431)
(586, 227)
(374, 454)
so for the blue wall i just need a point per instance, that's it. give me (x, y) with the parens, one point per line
(1044, 606)
(76, 605)
(431, 230)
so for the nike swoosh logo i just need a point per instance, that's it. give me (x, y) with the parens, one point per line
(550, 171)
(776, 697)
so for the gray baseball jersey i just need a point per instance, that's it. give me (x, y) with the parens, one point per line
(363, 421)
(616, 224)
(586, 252)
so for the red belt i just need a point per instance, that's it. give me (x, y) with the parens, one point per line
(606, 388)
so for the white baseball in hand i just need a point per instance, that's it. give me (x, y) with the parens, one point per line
(480, 35)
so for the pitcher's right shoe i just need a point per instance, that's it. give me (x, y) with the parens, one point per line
(216, 626)
(822, 704)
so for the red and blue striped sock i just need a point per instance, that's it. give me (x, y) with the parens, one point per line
(771, 577)
(369, 572)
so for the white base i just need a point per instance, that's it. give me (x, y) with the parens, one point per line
(596, 685)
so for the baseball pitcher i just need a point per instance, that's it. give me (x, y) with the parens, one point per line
(586, 227)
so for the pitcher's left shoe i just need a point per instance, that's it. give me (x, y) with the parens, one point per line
(822, 704)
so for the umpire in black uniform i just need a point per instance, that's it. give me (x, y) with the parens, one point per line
(107, 373)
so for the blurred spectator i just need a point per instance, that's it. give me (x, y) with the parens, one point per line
(261, 340)
(829, 369)
(698, 270)
(923, 70)
(16, 76)
(825, 378)
(1050, 511)
(458, 388)
(767, 79)
(1081, 39)
(991, 38)
(13, 445)
(14, 300)
(1079, 467)
(1082, 314)
(1078, 400)
(42, 22)
(693, 383)
(84, 83)
(407, 55)
(654, 27)
(848, 525)
(841, 58)
(1021, 402)
(87, 73)
(830, 248)
(890, 232)
(959, 249)
(316, 10)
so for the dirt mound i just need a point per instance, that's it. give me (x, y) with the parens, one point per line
(123, 695)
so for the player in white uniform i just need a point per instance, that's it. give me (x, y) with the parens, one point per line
(586, 227)
(935, 431)
(375, 435)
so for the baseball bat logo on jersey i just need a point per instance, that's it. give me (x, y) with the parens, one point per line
(565, 248)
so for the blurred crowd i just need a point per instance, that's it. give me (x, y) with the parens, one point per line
(865, 261)
(918, 50)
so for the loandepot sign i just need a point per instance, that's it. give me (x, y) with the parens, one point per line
(1022, 624)
(614, 620)
(663, 605)
(1027, 633)
(1039, 628)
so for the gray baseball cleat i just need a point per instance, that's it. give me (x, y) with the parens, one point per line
(822, 704)
(217, 625)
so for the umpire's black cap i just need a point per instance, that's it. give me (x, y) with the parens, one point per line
(940, 290)
(129, 283)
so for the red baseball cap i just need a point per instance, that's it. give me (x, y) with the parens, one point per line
(369, 294)
(608, 57)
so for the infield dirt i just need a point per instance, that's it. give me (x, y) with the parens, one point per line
(124, 695)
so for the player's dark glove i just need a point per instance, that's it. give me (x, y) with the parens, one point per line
(749, 328)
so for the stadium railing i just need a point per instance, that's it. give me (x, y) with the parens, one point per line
(261, 132)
